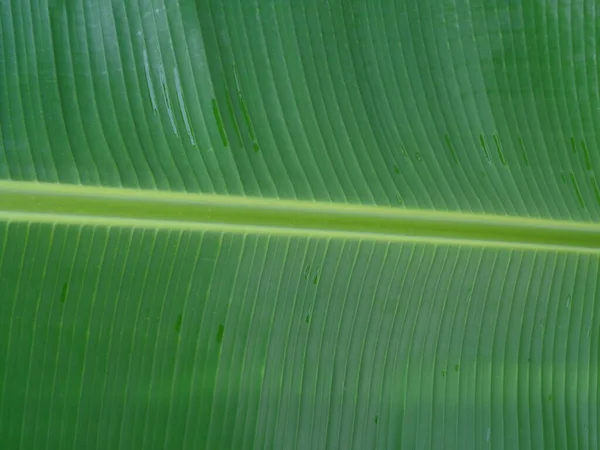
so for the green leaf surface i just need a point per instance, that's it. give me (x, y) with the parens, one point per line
(282, 224)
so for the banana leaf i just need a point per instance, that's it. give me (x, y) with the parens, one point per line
(299, 224)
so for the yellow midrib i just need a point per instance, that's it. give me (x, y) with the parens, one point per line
(89, 205)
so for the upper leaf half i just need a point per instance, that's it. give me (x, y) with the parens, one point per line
(464, 106)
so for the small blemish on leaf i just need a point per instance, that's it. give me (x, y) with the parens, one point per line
(403, 151)
(486, 152)
(219, 122)
(523, 152)
(452, 149)
(220, 333)
(469, 295)
(396, 169)
(178, 323)
(307, 320)
(577, 190)
(443, 373)
(596, 190)
(64, 291)
(307, 273)
(499, 150)
(586, 154)
(317, 276)
(457, 367)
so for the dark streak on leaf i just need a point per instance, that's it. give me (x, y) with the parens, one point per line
(64, 292)
(586, 154)
(233, 119)
(488, 156)
(452, 149)
(178, 323)
(220, 333)
(523, 152)
(219, 121)
(577, 190)
(499, 150)
(596, 190)
(246, 116)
